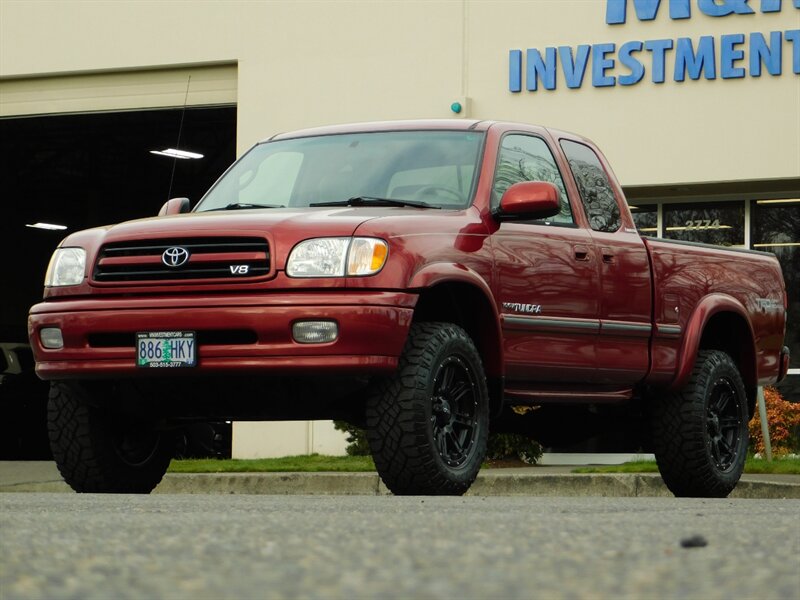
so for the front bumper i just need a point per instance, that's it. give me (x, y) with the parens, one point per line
(243, 333)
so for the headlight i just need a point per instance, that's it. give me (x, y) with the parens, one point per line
(337, 257)
(67, 267)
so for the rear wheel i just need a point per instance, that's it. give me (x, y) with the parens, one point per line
(700, 433)
(428, 425)
(101, 451)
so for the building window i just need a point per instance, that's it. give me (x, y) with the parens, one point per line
(776, 228)
(646, 219)
(720, 223)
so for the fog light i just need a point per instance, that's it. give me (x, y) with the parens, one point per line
(315, 332)
(51, 338)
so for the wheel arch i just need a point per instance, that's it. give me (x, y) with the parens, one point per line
(720, 322)
(458, 295)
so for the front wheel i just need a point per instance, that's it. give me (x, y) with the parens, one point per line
(100, 451)
(428, 425)
(700, 433)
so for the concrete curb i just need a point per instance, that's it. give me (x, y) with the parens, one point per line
(491, 483)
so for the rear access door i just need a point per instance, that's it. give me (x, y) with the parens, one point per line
(625, 312)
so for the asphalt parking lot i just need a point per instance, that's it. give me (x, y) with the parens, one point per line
(248, 546)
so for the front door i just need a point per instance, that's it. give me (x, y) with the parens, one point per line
(547, 278)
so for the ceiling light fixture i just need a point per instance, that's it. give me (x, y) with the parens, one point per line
(48, 226)
(173, 153)
(779, 201)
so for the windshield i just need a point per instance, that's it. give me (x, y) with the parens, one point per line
(435, 168)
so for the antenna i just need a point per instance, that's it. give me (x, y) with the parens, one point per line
(178, 143)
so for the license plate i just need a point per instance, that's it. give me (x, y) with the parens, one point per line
(166, 349)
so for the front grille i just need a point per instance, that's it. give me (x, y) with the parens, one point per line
(232, 258)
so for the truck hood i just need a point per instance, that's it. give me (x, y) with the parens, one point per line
(283, 227)
(299, 224)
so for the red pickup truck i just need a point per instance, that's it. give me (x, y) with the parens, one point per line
(417, 278)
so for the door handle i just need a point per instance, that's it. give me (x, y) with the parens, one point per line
(581, 252)
(608, 256)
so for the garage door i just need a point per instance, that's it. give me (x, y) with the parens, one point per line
(126, 90)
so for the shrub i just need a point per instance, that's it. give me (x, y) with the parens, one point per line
(501, 445)
(356, 438)
(513, 445)
(783, 419)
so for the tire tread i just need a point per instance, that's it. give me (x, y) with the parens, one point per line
(679, 436)
(397, 421)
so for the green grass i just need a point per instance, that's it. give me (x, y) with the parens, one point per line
(783, 466)
(310, 463)
(360, 464)
(637, 466)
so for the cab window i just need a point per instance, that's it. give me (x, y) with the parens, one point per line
(527, 158)
(597, 196)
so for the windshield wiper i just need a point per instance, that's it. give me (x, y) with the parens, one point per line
(373, 201)
(241, 205)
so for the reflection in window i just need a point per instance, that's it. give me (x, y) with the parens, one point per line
(527, 158)
(776, 228)
(646, 219)
(721, 224)
(435, 167)
(597, 196)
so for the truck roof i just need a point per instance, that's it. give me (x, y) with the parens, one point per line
(406, 125)
(420, 124)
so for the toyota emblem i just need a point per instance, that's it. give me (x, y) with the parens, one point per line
(175, 256)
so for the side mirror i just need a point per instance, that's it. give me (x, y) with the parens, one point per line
(176, 206)
(529, 200)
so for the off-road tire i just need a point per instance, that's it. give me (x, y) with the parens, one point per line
(439, 384)
(100, 451)
(700, 432)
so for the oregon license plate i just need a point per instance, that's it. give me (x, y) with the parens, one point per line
(166, 349)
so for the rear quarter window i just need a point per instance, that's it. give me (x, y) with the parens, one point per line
(597, 195)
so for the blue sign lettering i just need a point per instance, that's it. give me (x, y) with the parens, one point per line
(730, 54)
(574, 68)
(626, 58)
(646, 10)
(601, 63)
(736, 56)
(768, 55)
(794, 37)
(546, 69)
(689, 61)
(515, 70)
(659, 50)
(723, 8)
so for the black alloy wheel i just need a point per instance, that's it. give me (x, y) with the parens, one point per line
(135, 445)
(723, 424)
(454, 418)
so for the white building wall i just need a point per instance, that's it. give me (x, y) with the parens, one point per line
(302, 64)
(286, 438)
